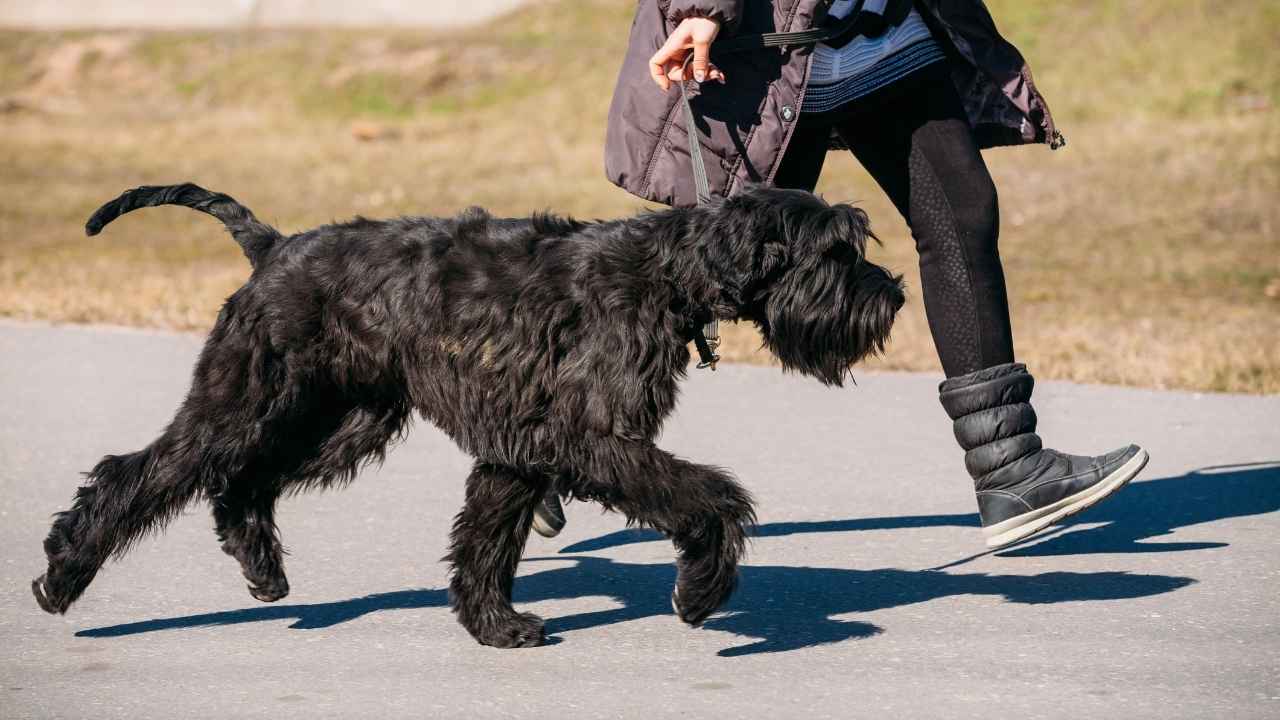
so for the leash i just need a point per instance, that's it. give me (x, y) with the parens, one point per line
(707, 338)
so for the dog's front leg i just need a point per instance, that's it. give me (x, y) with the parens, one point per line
(487, 540)
(705, 512)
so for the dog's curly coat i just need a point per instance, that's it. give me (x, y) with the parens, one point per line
(547, 348)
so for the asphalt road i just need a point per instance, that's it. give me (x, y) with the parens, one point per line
(865, 593)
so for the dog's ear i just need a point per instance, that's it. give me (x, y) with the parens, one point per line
(842, 229)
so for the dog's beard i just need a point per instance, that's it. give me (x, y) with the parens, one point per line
(822, 322)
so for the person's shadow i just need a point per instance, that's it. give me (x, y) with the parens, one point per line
(780, 608)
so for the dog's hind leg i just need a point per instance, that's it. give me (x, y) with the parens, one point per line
(704, 511)
(487, 540)
(321, 443)
(214, 436)
(127, 496)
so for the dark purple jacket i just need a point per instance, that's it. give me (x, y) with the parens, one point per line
(744, 125)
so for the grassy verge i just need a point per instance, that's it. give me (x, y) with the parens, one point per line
(1146, 253)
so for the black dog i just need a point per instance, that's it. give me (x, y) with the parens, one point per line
(549, 349)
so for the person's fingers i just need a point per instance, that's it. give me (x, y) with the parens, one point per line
(659, 75)
(667, 65)
(713, 73)
(701, 59)
(659, 64)
(676, 72)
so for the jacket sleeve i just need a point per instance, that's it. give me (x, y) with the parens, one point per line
(726, 11)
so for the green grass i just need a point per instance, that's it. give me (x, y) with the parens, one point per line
(1146, 253)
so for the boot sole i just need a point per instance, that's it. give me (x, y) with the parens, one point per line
(1026, 524)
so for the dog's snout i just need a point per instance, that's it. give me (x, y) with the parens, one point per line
(884, 290)
(893, 288)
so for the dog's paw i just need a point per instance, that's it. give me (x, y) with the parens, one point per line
(687, 616)
(270, 590)
(46, 598)
(517, 631)
(693, 607)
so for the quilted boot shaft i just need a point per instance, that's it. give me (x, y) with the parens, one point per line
(994, 423)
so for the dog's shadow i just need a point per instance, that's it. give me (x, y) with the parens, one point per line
(780, 608)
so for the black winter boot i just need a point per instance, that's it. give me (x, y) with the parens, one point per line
(1023, 487)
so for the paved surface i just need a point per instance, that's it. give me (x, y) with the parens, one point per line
(247, 13)
(861, 597)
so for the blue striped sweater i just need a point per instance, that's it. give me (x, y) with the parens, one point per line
(839, 75)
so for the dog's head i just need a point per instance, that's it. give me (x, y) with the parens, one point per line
(796, 267)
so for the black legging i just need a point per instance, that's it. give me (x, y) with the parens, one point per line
(912, 136)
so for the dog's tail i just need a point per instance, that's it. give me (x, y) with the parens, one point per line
(255, 237)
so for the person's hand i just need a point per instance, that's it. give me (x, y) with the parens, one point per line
(696, 34)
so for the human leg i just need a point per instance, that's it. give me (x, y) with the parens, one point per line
(916, 142)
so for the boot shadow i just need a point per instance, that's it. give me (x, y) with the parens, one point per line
(776, 609)
(1143, 510)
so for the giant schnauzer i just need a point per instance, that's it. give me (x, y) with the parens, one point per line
(547, 348)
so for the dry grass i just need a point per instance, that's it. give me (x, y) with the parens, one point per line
(1145, 254)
